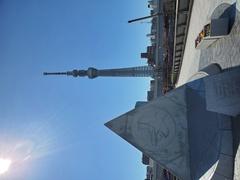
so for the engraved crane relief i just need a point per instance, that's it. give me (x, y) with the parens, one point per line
(162, 135)
(156, 134)
(154, 130)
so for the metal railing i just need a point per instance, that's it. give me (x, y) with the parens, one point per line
(183, 16)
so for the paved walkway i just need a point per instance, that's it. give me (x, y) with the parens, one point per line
(194, 59)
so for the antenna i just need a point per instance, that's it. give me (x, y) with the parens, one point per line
(73, 73)
(146, 17)
(55, 73)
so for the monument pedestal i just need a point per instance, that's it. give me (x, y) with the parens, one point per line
(188, 131)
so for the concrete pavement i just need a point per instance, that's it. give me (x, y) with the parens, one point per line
(220, 52)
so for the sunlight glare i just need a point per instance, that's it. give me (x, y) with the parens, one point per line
(4, 165)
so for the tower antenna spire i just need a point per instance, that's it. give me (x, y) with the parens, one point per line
(55, 73)
(74, 73)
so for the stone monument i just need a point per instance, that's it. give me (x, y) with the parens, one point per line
(188, 131)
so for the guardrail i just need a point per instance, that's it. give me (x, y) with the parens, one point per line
(182, 19)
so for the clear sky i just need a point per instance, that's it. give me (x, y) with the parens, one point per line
(53, 127)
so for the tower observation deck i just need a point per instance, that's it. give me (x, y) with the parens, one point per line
(139, 71)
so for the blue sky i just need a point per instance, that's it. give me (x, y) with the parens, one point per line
(53, 127)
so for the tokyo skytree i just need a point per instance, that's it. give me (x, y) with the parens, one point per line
(139, 71)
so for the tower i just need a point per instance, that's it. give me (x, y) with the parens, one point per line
(139, 71)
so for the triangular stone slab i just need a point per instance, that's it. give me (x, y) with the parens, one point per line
(182, 131)
(159, 130)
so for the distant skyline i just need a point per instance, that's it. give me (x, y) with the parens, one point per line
(53, 127)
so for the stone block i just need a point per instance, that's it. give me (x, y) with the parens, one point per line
(227, 143)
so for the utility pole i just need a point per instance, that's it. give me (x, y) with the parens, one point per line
(146, 17)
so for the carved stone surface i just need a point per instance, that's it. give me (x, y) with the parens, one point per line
(223, 92)
(186, 130)
(159, 129)
(225, 51)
